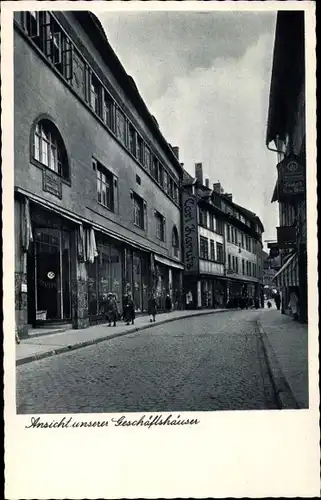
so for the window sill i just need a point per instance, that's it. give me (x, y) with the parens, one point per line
(41, 166)
(139, 227)
(112, 210)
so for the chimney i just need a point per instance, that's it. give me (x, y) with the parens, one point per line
(207, 183)
(176, 151)
(199, 173)
(229, 196)
(217, 187)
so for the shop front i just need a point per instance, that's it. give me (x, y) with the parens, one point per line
(49, 268)
(104, 275)
(137, 277)
(177, 297)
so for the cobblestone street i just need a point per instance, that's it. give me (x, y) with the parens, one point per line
(214, 362)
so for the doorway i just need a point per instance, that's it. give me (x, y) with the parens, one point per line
(51, 273)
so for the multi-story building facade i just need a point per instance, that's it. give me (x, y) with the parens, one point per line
(286, 132)
(222, 245)
(97, 205)
(244, 251)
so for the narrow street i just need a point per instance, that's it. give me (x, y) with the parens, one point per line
(214, 362)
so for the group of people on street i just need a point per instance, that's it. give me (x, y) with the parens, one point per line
(111, 312)
(242, 302)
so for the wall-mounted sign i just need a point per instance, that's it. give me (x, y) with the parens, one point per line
(291, 177)
(286, 236)
(52, 183)
(190, 233)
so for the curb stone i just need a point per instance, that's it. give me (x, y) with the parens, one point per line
(281, 387)
(86, 343)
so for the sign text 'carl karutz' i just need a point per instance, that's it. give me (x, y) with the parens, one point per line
(190, 233)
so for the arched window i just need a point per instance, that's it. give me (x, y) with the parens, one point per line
(49, 149)
(175, 241)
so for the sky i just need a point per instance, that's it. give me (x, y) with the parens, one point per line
(205, 76)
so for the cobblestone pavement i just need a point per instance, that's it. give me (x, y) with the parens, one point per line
(214, 362)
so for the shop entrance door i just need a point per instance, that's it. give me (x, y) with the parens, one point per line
(52, 274)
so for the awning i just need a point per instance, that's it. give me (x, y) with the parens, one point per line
(167, 262)
(288, 274)
(50, 206)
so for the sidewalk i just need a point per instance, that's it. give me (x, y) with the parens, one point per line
(46, 345)
(286, 348)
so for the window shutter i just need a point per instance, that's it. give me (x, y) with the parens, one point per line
(164, 229)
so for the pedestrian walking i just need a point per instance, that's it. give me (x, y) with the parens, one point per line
(129, 309)
(168, 303)
(112, 310)
(277, 300)
(152, 308)
(294, 305)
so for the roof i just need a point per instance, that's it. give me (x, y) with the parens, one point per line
(187, 178)
(98, 36)
(287, 72)
(250, 215)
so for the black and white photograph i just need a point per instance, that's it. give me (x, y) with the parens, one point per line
(159, 210)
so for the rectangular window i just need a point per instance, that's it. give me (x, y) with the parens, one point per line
(139, 219)
(78, 74)
(155, 168)
(211, 221)
(212, 249)
(121, 126)
(108, 111)
(219, 253)
(176, 195)
(247, 267)
(32, 23)
(95, 94)
(132, 139)
(229, 262)
(105, 185)
(236, 264)
(147, 161)
(161, 175)
(165, 181)
(203, 217)
(219, 226)
(203, 248)
(243, 266)
(160, 226)
(242, 241)
(228, 232)
(140, 149)
(170, 186)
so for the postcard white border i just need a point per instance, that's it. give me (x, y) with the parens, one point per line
(251, 453)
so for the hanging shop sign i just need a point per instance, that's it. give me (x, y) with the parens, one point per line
(291, 177)
(190, 233)
(286, 236)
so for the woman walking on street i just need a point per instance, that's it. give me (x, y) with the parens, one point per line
(168, 303)
(112, 310)
(152, 308)
(129, 309)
